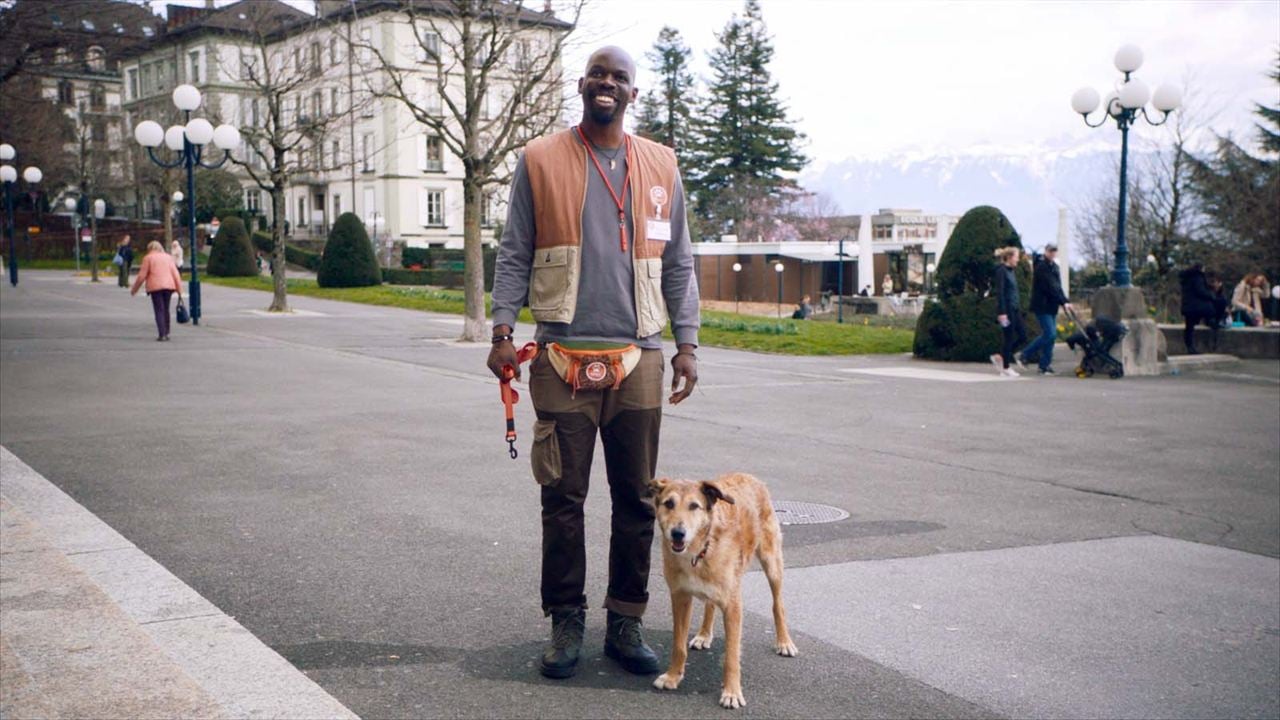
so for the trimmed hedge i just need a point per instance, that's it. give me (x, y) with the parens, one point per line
(348, 259)
(447, 265)
(961, 324)
(233, 254)
(305, 258)
(263, 242)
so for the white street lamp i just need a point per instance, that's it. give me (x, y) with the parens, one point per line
(7, 152)
(32, 175)
(737, 268)
(1124, 106)
(99, 208)
(778, 268)
(190, 140)
(69, 204)
(8, 174)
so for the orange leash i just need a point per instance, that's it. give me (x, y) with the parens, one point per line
(509, 395)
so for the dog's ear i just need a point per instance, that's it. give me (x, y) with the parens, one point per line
(713, 494)
(656, 486)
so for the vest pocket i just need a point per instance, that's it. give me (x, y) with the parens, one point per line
(651, 306)
(545, 456)
(550, 278)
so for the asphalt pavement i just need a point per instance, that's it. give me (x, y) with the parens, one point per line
(335, 483)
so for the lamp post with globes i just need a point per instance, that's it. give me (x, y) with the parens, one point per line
(70, 204)
(737, 268)
(778, 267)
(188, 140)
(9, 176)
(1124, 106)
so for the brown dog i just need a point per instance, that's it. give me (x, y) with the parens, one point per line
(710, 531)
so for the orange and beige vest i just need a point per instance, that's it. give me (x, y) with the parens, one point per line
(557, 166)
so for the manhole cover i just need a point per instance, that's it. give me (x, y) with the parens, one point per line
(803, 513)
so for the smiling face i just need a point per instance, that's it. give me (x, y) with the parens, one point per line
(607, 88)
(684, 510)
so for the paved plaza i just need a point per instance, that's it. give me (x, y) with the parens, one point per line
(289, 516)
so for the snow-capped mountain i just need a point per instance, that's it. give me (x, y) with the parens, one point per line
(1028, 183)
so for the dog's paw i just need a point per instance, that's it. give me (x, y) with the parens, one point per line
(701, 642)
(786, 649)
(732, 699)
(667, 681)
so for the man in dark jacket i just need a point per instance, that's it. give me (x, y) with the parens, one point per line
(1199, 304)
(1046, 298)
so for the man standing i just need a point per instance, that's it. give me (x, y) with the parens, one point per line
(596, 241)
(1046, 298)
(124, 250)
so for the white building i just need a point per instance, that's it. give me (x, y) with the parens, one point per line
(360, 152)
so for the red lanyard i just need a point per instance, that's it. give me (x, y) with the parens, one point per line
(617, 197)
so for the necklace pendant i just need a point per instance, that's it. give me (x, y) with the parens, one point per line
(613, 164)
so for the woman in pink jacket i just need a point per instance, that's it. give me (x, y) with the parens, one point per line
(161, 276)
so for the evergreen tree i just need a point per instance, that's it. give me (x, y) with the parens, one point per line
(1270, 137)
(348, 259)
(745, 141)
(1238, 192)
(232, 254)
(666, 110)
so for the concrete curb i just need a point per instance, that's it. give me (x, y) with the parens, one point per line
(82, 602)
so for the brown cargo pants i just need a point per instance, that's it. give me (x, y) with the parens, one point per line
(627, 420)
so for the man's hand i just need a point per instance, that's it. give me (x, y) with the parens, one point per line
(683, 365)
(1069, 306)
(503, 353)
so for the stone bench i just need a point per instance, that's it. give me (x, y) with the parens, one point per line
(1259, 343)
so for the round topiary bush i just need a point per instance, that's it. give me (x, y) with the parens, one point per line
(960, 324)
(348, 259)
(233, 254)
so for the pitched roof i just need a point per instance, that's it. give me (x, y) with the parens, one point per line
(435, 7)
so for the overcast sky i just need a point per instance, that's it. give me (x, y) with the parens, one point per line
(864, 78)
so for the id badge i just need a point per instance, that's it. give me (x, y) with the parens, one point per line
(659, 230)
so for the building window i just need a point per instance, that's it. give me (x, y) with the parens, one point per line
(133, 83)
(366, 43)
(247, 68)
(486, 210)
(98, 131)
(336, 154)
(337, 199)
(97, 97)
(434, 154)
(431, 100)
(315, 105)
(430, 47)
(431, 210)
(147, 87)
(195, 67)
(481, 55)
(333, 51)
(366, 152)
(253, 200)
(334, 105)
(66, 92)
(315, 58)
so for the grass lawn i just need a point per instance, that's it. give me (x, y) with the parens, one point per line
(719, 329)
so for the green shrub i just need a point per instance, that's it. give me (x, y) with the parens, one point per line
(305, 258)
(233, 254)
(348, 259)
(961, 324)
(263, 242)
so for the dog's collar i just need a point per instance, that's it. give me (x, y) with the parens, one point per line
(703, 554)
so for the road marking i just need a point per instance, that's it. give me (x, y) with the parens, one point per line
(919, 373)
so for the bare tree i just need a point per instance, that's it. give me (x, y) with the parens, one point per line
(285, 124)
(467, 54)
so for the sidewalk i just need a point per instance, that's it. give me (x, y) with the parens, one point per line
(93, 628)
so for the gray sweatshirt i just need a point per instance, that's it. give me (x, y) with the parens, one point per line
(606, 309)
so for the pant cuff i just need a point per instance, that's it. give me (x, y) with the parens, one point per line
(622, 607)
(548, 609)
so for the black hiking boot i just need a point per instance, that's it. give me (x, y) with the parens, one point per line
(624, 643)
(560, 658)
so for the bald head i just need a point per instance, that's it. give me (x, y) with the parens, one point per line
(612, 54)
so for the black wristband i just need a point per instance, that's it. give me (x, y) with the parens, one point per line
(502, 338)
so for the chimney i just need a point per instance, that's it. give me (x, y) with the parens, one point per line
(208, 4)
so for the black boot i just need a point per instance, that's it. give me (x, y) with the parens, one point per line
(623, 643)
(560, 658)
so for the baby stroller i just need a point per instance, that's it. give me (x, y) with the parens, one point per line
(1096, 340)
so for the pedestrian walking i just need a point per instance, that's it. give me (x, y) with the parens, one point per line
(596, 239)
(161, 277)
(1008, 310)
(175, 250)
(1046, 297)
(124, 259)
